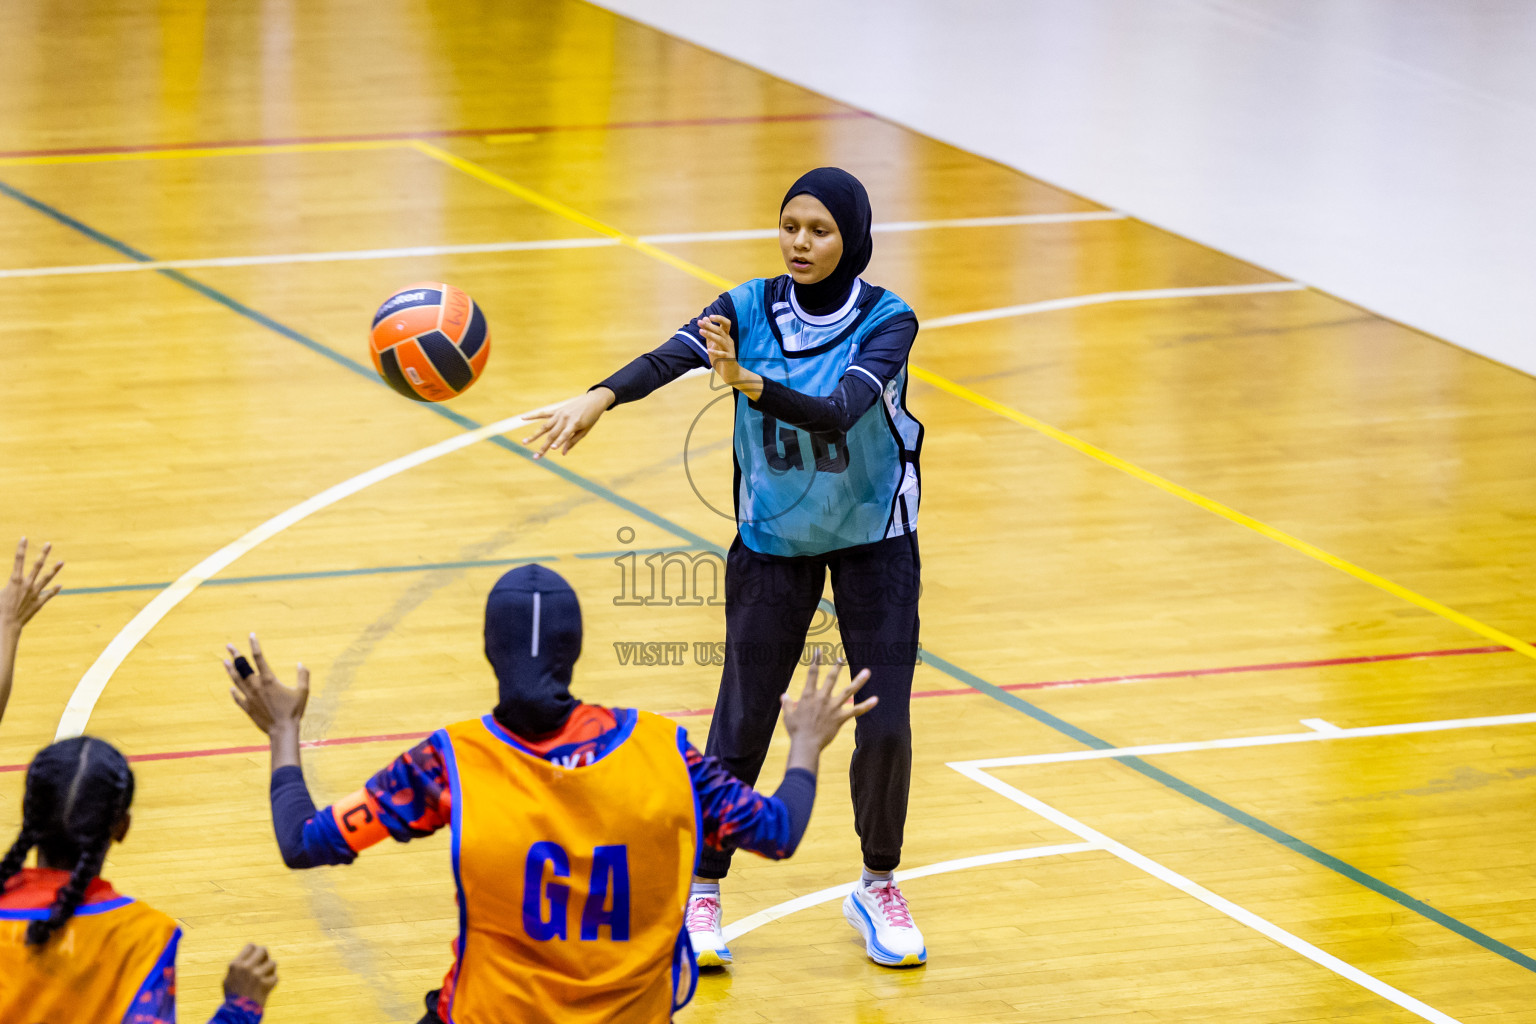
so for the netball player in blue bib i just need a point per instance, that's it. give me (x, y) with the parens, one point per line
(827, 480)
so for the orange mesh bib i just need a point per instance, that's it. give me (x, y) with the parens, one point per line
(91, 970)
(572, 881)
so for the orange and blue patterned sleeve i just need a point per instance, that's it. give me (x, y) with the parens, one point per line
(411, 798)
(408, 799)
(155, 1002)
(733, 815)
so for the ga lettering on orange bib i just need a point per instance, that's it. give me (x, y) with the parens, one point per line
(572, 880)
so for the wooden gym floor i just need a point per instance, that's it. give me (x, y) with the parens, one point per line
(1197, 504)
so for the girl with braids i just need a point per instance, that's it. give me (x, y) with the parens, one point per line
(71, 948)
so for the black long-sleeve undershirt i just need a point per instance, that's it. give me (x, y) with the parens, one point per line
(645, 373)
(292, 806)
(833, 414)
(798, 795)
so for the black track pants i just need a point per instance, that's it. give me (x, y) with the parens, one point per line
(770, 603)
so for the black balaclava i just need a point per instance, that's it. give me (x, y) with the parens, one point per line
(532, 640)
(844, 197)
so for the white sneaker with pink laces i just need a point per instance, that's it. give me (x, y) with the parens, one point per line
(879, 911)
(702, 918)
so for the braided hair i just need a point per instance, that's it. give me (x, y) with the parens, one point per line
(77, 792)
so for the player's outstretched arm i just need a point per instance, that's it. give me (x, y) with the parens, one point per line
(567, 422)
(277, 711)
(22, 597)
(815, 719)
(407, 800)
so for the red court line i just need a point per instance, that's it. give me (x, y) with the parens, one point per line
(1275, 666)
(391, 737)
(449, 133)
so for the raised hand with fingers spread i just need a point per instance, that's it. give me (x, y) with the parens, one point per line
(22, 597)
(275, 709)
(815, 719)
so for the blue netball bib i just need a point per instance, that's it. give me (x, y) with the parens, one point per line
(799, 493)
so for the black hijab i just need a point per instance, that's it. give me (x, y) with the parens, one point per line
(844, 197)
(532, 640)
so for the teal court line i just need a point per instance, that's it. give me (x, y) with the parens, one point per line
(711, 549)
(316, 574)
(1040, 715)
(371, 570)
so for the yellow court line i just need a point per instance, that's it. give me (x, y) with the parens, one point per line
(188, 154)
(1225, 511)
(571, 214)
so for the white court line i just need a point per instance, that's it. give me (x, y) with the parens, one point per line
(762, 917)
(1321, 725)
(1100, 298)
(899, 225)
(88, 690)
(994, 222)
(1243, 916)
(1332, 733)
(410, 252)
(310, 257)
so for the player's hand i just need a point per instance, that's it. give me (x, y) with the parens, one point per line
(822, 708)
(720, 346)
(569, 421)
(261, 695)
(252, 975)
(26, 592)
